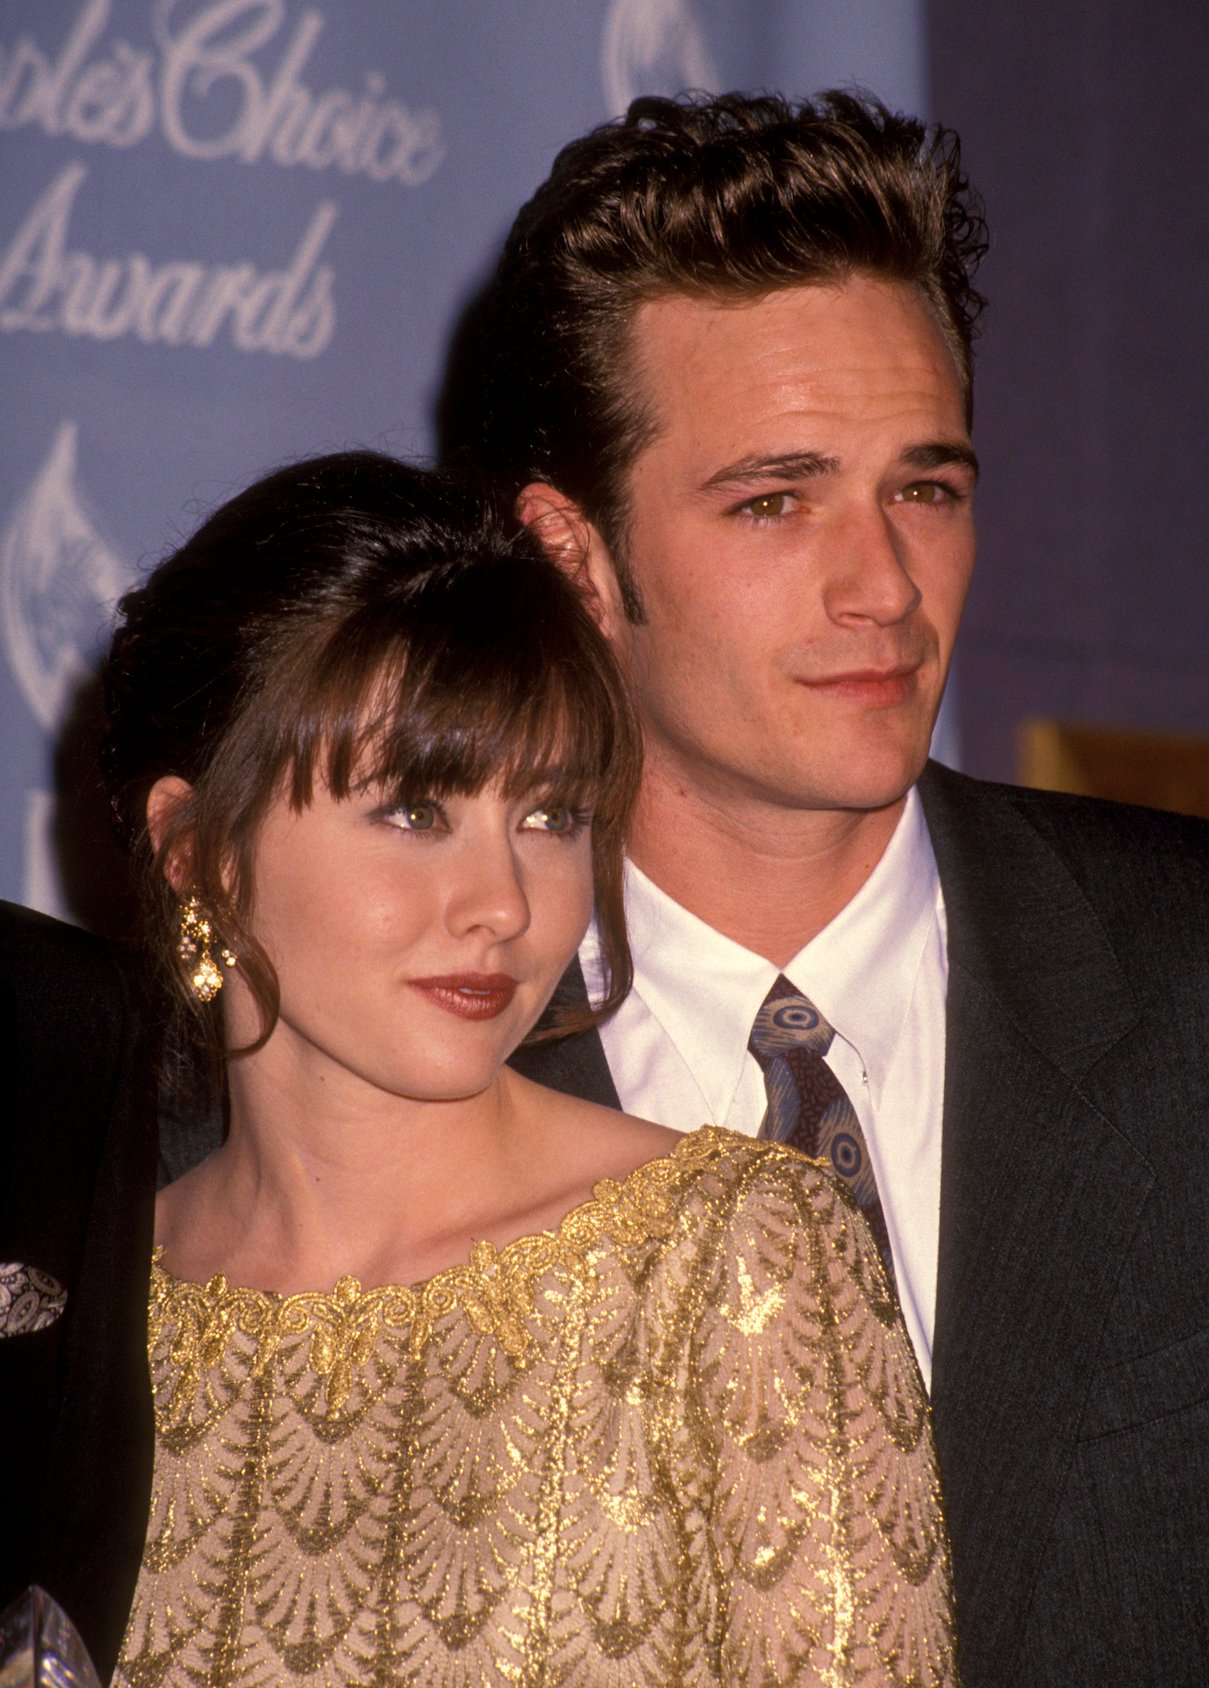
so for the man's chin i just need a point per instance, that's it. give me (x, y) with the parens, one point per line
(861, 772)
(867, 779)
(839, 792)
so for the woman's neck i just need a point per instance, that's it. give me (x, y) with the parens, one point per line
(306, 1191)
(310, 1186)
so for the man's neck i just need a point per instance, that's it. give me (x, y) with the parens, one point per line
(766, 877)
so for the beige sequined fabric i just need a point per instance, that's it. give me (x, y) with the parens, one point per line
(681, 1440)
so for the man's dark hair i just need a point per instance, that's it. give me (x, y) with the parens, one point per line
(726, 197)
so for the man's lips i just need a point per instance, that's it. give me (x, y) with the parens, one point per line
(872, 686)
(472, 996)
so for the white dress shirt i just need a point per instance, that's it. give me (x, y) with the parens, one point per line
(677, 1046)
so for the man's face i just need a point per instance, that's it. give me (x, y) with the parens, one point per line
(801, 535)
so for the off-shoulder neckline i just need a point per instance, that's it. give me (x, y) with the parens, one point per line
(495, 1288)
(612, 1200)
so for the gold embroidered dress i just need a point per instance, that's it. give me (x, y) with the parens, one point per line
(680, 1440)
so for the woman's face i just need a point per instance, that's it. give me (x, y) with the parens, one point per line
(415, 942)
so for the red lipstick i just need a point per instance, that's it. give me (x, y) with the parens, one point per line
(471, 996)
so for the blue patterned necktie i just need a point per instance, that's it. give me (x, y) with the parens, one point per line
(808, 1107)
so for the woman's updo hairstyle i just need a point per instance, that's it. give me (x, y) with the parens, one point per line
(353, 620)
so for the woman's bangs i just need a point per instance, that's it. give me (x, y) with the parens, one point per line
(432, 739)
(489, 679)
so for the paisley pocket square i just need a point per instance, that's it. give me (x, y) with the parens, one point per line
(29, 1299)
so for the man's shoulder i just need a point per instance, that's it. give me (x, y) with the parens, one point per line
(1090, 830)
(1045, 874)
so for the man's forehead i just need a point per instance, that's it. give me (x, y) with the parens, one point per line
(879, 314)
(866, 347)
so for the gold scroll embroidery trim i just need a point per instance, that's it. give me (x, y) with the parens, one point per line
(495, 1288)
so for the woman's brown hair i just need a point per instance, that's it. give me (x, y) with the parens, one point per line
(353, 620)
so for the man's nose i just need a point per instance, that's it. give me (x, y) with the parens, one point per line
(868, 579)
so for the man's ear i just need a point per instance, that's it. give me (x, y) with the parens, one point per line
(163, 805)
(574, 543)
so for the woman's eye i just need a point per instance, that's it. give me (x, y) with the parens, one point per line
(415, 817)
(559, 818)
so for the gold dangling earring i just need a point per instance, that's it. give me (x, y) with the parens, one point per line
(193, 947)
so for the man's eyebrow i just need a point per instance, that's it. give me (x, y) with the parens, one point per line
(942, 454)
(792, 466)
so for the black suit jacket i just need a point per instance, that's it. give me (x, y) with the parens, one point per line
(1071, 1354)
(77, 1190)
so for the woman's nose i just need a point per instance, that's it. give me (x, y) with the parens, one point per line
(489, 892)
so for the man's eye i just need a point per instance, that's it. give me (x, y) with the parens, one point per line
(768, 506)
(558, 818)
(415, 817)
(926, 492)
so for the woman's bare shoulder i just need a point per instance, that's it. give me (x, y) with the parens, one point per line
(596, 1141)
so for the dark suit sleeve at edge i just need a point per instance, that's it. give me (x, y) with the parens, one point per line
(78, 1201)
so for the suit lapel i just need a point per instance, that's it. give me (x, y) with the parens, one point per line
(1039, 1194)
(575, 1065)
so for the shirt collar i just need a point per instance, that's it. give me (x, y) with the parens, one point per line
(860, 970)
(704, 989)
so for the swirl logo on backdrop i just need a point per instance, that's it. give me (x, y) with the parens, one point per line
(107, 97)
(652, 47)
(59, 582)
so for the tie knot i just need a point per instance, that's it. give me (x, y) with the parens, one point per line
(788, 1020)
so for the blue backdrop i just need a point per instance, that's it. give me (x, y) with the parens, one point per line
(237, 231)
